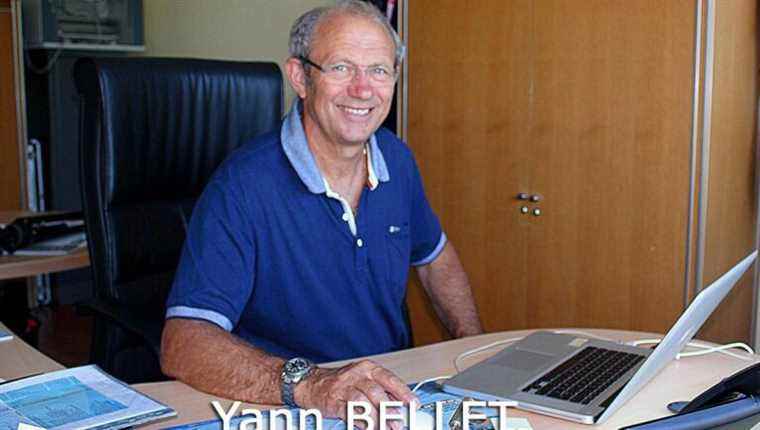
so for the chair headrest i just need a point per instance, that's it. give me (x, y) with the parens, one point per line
(167, 123)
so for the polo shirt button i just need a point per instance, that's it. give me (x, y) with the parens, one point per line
(345, 216)
(359, 243)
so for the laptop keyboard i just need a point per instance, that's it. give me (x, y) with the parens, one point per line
(581, 378)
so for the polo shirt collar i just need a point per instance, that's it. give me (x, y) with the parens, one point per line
(297, 150)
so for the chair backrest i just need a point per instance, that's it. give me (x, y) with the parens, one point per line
(152, 132)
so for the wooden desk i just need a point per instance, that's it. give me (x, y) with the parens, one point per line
(680, 380)
(18, 359)
(16, 266)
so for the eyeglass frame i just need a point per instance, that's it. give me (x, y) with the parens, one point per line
(306, 61)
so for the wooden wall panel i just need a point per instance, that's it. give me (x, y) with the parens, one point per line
(10, 187)
(732, 201)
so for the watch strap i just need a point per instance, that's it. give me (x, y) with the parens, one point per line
(288, 394)
(292, 376)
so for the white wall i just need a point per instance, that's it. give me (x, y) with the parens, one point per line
(245, 30)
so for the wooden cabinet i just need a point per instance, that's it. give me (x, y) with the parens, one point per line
(11, 187)
(589, 105)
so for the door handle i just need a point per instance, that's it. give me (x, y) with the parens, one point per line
(535, 198)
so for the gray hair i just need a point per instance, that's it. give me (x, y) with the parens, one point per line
(302, 32)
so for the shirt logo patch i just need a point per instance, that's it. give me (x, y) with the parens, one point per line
(394, 229)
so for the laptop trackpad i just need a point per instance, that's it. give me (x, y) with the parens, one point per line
(524, 360)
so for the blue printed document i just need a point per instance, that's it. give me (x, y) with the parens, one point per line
(79, 398)
(429, 394)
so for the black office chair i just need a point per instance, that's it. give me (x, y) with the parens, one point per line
(152, 132)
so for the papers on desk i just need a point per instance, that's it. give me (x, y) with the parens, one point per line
(515, 424)
(61, 245)
(79, 398)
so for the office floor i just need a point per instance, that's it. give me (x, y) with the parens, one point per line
(64, 335)
(57, 330)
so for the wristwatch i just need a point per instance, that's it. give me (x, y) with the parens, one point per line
(294, 371)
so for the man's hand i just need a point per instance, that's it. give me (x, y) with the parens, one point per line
(330, 390)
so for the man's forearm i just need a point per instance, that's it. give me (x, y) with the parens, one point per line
(212, 360)
(217, 362)
(446, 283)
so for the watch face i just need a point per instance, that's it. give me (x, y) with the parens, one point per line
(297, 365)
(295, 369)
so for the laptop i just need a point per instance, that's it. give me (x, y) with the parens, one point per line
(582, 379)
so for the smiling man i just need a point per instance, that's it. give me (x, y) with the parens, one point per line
(299, 249)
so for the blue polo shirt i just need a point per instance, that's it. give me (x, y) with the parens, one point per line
(271, 256)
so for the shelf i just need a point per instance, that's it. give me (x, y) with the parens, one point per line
(87, 47)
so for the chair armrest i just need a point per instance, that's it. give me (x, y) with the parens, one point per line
(129, 319)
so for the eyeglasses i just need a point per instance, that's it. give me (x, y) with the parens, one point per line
(344, 72)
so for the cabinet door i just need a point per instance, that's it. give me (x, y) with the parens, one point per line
(468, 122)
(609, 146)
(586, 104)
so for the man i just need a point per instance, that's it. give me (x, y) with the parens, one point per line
(301, 243)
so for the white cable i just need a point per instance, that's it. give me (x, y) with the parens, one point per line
(706, 349)
(48, 66)
(481, 349)
(721, 349)
(425, 381)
